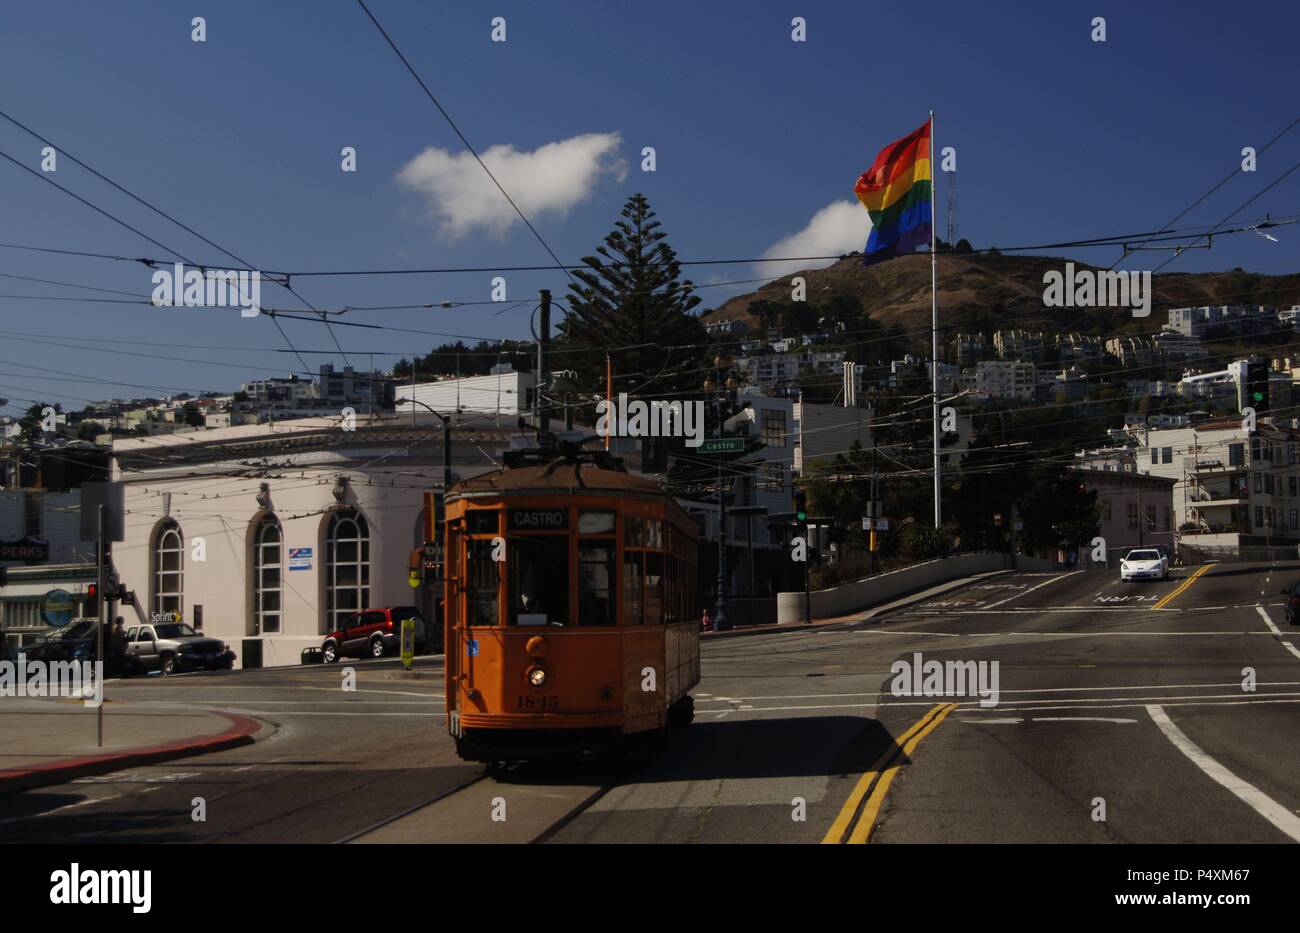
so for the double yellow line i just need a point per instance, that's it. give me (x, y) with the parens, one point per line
(878, 779)
(1182, 586)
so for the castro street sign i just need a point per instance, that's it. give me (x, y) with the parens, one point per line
(25, 549)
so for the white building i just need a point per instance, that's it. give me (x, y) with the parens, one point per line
(1233, 487)
(267, 536)
(503, 392)
(823, 431)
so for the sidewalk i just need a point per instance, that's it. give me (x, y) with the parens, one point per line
(865, 614)
(50, 741)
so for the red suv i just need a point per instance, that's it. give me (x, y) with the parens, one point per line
(372, 633)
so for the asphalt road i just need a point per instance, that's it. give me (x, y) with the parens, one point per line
(1154, 712)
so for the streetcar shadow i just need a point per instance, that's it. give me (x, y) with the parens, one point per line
(802, 747)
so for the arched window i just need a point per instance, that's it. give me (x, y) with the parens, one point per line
(267, 560)
(168, 568)
(347, 567)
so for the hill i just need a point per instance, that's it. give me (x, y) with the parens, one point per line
(981, 292)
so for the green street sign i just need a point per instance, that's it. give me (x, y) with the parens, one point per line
(723, 445)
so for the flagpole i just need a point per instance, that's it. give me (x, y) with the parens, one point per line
(934, 330)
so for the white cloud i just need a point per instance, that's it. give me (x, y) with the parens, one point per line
(839, 227)
(552, 179)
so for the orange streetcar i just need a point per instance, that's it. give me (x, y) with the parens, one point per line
(570, 599)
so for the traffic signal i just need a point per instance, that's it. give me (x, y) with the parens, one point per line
(801, 506)
(92, 600)
(1257, 387)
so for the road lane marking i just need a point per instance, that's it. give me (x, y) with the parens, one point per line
(295, 712)
(1118, 704)
(1261, 803)
(835, 834)
(999, 722)
(1032, 588)
(1276, 631)
(1024, 610)
(1182, 586)
(832, 696)
(862, 832)
(1103, 634)
(68, 806)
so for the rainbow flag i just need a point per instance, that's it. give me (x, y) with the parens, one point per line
(896, 193)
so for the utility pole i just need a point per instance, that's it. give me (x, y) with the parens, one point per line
(542, 421)
(99, 628)
(721, 622)
(871, 517)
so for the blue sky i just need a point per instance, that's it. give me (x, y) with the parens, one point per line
(1057, 138)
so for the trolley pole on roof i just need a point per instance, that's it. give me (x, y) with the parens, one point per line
(541, 420)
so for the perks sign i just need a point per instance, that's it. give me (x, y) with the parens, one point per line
(25, 550)
(538, 520)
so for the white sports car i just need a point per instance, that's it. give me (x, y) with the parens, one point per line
(1144, 564)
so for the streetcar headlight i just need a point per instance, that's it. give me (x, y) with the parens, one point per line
(537, 676)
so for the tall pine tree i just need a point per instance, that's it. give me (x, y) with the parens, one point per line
(631, 302)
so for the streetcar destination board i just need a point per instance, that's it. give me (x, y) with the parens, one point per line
(538, 519)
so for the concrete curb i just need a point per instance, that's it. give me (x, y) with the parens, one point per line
(58, 772)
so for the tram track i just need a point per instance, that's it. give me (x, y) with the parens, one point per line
(548, 807)
(388, 821)
(545, 835)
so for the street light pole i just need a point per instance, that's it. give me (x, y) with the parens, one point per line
(446, 443)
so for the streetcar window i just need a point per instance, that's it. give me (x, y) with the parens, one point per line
(539, 580)
(482, 522)
(654, 589)
(482, 584)
(596, 523)
(655, 533)
(596, 583)
(634, 531)
(632, 588)
(671, 604)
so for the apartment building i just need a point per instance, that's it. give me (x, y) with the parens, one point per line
(1232, 487)
(1131, 351)
(969, 349)
(1078, 347)
(1018, 345)
(1003, 379)
(1136, 510)
(1238, 319)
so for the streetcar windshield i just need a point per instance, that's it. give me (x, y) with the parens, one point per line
(538, 580)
